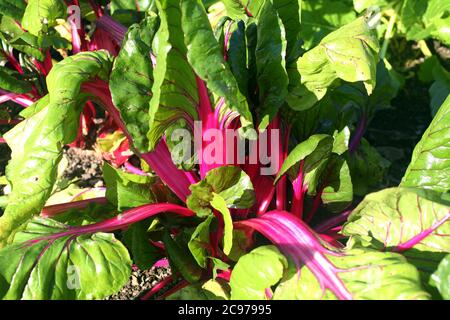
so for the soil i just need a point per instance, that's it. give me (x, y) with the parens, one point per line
(140, 283)
(85, 166)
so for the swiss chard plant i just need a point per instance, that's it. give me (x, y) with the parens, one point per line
(252, 176)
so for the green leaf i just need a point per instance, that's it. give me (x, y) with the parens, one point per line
(400, 219)
(256, 271)
(206, 58)
(10, 81)
(430, 162)
(290, 12)
(181, 259)
(338, 191)
(368, 275)
(270, 63)
(349, 53)
(242, 9)
(136, 238)
(199, 242)
(440, 88)
(220, 205)
(175, 97)
(91, 266)
(132, 78)
(41, 14)
(12, 8)
(37, 142)
(441, 278)
(126, 190)
(367, 168)
(305, 149)
(237, 56)
(229, 182)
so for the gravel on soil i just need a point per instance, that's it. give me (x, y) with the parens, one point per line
(140, 282)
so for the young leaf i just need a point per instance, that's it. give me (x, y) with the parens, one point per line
(400, 219)
(255, 272)
(38, 267)
(132, 78)
(430, 163)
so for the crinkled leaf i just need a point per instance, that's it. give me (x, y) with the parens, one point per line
(84, 267)
(430, 162)
(132, 78)
(400, 219)
(37, 142)
(256, 271)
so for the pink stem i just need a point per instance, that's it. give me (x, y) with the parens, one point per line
(422, 235)
(160, 285)
(119, 222)
(10, 122)
(315, 206)
(356, 139)
(179, 286)
(128, 166)
(53, 210)
(17, 98)
(299, 193)
(111, 26)
(330, 223)
(177, 180)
